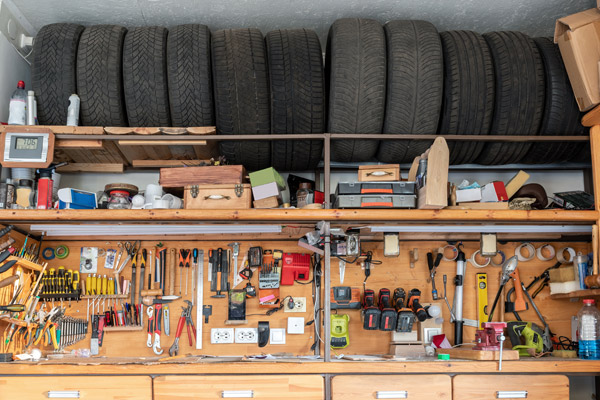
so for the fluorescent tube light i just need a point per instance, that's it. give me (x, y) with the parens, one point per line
(483, 229)
(147, 230)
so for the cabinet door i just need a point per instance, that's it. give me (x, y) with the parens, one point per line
(83, 387)
(419, 387)
(544, 387)
(306, 387)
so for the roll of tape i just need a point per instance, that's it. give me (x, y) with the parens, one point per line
(501, 261)
(101, 252)
(48, 253)
(473, 260)
(519, 252)
(560, 255)
(540, 252)
(442, 251)
(61, 251)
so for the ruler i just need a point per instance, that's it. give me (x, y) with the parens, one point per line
(200, 299)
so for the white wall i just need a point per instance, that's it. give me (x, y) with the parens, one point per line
(12, 69)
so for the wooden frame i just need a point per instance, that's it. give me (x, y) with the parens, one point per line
(27, 129)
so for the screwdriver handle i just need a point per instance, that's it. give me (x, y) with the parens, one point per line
(13, 307)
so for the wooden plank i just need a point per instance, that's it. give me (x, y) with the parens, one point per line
(202, 130)
(91, 167)
(191, 142)
(89, 387)
(69, 130)
(173, 131)
(576, 294)
(118, 130)
(470, 354)
(222, 174)
(486, 387)
(167, 163)
(309, 215)
(306, 387)
(592, 117)
(359, 387)
(83, 144)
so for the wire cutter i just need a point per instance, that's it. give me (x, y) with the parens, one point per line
(544, 277)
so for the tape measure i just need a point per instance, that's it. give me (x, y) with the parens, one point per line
(482, 299)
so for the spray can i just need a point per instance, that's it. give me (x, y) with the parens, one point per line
(581, 266)
(31, 106)
(10, 193)
(44, 190)
(73, 111)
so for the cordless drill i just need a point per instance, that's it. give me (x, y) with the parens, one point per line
(389, 316)
(413, 302)
(406, 317)
(371, 314)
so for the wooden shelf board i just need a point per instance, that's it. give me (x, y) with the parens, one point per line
(25, 263)
(123, 328)
(576, 294)
(284, 216)
(100, 365)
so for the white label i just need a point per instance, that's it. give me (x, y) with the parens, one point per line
(17, 114)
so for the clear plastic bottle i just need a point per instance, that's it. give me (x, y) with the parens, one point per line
(73, 110)
(588, 331)
(17, 113)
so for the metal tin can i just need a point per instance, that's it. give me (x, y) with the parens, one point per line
(10, 194)
(3, 189)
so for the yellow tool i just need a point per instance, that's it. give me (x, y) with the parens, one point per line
(482, 298)
(111, 286)
(104, 282)
(75, 280)
(88, 284)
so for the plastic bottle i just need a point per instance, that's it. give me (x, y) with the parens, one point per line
(588, 331)
(17, 114)
(73, 111)
(31, 108)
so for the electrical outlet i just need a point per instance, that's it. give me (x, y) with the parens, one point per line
(221, 335)
(299, 305)
(246, 335)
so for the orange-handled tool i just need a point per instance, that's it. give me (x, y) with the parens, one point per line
(520, 304)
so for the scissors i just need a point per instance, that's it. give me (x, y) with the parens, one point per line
(132, 249)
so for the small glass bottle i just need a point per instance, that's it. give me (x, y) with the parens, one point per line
(303, 195)
(119, 200)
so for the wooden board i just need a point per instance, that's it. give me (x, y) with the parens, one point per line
(167, 163)
(549, 387)
(117, 130)
(306, 387)
(222, 174)
(592, 117)
(89, 387)
(470, 354)
(359, 387)
(202, 130)
(91, 167)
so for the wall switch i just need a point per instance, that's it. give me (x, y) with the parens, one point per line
(277, 336)
(295, 325)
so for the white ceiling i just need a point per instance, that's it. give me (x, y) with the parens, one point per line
(535, 17)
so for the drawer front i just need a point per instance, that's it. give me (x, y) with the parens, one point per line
(419, 387)
(546, 387)
(87, 387)
(306, 387)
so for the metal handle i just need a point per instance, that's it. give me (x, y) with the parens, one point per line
(514, 394)
(379, 173)
(398, 394)
(237, 394)
(63, 394)
(216, 197)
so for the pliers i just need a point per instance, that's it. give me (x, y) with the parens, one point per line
(544, 277)
(185, 318)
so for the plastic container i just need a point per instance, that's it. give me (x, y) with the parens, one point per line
(24, 193)
(73, 111)
(17, 113)
(303, 195)
(31, 108)
(119, 200)
(588, 331)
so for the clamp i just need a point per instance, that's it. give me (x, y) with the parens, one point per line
(150, 312)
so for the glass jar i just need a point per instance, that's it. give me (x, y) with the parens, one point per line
(303, 195)
(119, 200)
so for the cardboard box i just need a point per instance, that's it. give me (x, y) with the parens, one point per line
(265, 176)
(516, 182)
(468, 195)
(269, 202)
(493, 192)
(379, 173)
(578, 37)
(267, 190)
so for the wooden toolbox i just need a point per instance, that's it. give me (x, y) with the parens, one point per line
(207, 175)
(221, 197)
(379, 173)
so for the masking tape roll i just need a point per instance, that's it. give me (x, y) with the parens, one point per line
(61, 251)
(540, 252)
(530, 249)
(442, 251)
(501, 262)
(473, 261)
(560, 255)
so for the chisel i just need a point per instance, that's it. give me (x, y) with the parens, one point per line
(142, 269)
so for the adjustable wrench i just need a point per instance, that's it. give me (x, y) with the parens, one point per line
(150, 312)
(175, 347)
(157, 327)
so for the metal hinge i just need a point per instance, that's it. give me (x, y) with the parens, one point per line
(239, 189)
(194, 191)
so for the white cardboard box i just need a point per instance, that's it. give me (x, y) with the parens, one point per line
(267, 190)
(468, 195)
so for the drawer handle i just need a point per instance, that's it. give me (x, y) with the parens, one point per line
(507, 394)
(237, 394)
(63, 394)
(380, 173)
(216, 197)
(399, 394)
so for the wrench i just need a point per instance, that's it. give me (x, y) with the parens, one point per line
(157, 327)
(150, 312)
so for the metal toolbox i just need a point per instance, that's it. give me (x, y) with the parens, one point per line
(345, 188)
(376, 201)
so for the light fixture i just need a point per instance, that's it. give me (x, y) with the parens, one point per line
(149, 230)
(483, 229)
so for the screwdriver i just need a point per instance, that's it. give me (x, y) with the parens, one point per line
(88, 284)
(13, 307)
